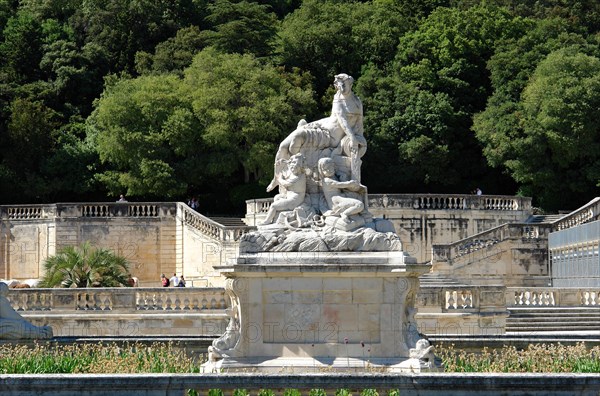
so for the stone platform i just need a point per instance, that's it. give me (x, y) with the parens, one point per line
(321, 309)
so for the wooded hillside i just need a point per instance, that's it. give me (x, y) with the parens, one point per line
(168, 99)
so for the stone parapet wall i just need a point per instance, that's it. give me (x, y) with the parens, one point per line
(125, 311)
(155, 237)
(434, 384)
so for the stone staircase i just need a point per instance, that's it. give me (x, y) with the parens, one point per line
(553, 319)
(439, 280)
(228, 221)
(541, 219)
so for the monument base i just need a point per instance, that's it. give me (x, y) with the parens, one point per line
(343, 311)
(319, 365)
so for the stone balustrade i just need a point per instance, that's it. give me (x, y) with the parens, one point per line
(211, 228)
(121, 299)
(423, 202)
(450, 202)
(493, 236)
(552, 297)
(88, 209)
(125, 311)
(585, 214)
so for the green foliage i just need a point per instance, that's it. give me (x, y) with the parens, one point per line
(540, 123)
(536, 358)
(421, 105)
(174, 54)
(246, 109)
(161, 136)
(456, 93)
(330, 37)
(241, 26)
(85, 266)
(95, 358)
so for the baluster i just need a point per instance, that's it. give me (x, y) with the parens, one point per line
(213, 303)
(159, 301)
(177, 302)
(204, 303)
(108, 303)
(46, 300)
(450, 300)
(469, 299)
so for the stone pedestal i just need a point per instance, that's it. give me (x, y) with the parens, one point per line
(311, 311)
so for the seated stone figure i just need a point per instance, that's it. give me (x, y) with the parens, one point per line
(339, 134)
(292, 188)
(339, 203)
(13, 326)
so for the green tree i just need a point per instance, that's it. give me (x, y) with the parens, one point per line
(331, 37)
(553, 145)
(421, 105)
(246, 109)
(174, 54)
(241, 26)
(85, 266)
(21, 50)
(161, 136)
(145, 133)
(501, 126)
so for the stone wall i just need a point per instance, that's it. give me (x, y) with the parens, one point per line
(156, 238)
(124, 311)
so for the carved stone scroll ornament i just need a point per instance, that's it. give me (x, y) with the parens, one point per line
(225, 346)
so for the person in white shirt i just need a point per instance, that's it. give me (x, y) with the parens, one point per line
(174, 280)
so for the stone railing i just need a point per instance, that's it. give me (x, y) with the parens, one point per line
(585, 214)
(424, 202)
(460, 298)
(88, 210)
(121, 299)
(450, 202)
(210, 227)
(552, 297)
(489, 238)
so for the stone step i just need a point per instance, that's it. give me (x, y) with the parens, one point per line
(550, 310)
(437, 280)
(553, 319)
(537, 219)
(557, 329)
(228, 221)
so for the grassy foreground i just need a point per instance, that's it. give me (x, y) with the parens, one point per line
(167, 358)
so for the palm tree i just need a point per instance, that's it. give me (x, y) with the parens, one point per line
(85, 266)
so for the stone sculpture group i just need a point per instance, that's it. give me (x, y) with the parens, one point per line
(322, 205)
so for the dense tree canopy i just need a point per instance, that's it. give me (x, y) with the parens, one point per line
(162, 135)
(172, 98)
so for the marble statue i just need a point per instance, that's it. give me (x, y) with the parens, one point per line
(292, 187)
(13, 326)
(322, 205)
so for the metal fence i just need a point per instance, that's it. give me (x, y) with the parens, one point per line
(574, 259)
